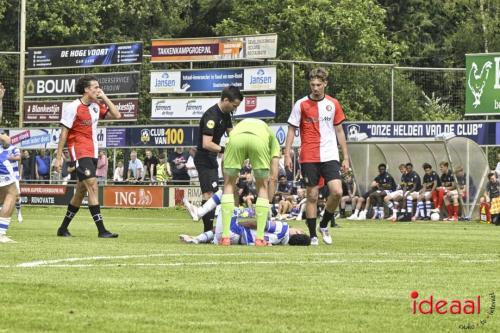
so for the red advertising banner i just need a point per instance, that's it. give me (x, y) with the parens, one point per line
(133, 196)
(214, 48)
(50, 112)
(42, 112)
(46, 195)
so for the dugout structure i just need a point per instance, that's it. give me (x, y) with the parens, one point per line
(462, 152)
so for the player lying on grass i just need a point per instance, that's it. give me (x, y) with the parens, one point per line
(244, 233)
(8, 189)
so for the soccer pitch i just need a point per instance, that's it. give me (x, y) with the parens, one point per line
(147, 281)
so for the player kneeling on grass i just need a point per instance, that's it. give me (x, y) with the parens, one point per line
(250, 139)
(8, 189)
(244, 233)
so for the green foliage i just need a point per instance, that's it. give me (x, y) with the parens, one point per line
(320, 30)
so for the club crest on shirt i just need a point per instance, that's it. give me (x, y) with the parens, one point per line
(329, 108)
(210, 124)
(95, 109)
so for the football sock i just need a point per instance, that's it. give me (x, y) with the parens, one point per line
(205, 237)
(428, 208)
(70, 214)
(311, 225)
(450, 211)
(227, 207)
(261, 211)
(95, 211)
(4, 225)
(327, 217)
(210, 204)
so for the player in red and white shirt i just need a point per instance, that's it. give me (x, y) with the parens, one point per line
(79, 130)
(319, 118)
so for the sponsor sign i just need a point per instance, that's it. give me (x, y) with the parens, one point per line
(129, 108)
(85, 55)
(163, 136)
(483, 133)
(177, 193)
(116, 137)
(125, 83)
(213, 80)
(482, 88)
(46, 195)
(46, 138)
(262, 106)
(214, 48)
(50, 112)
(133, 196)
(42, 112)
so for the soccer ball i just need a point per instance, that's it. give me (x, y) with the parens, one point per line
(435, 216)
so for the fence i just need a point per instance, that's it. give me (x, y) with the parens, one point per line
(367, 91)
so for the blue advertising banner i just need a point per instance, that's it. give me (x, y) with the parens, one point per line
(483, 133)
(112, 54)
(213, 80)
(166, 136)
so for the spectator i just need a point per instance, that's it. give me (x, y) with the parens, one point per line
(102, 167)
(492, 196)
(135, 168)
(497, 169)
(191, 168)
(42, 167)
(26, 166)
(63, 176)
(118, 173)
(163, 173)
(150, 165)
(177, 161)
(220, 174)
(349, 194)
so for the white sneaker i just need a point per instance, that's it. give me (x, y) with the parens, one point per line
(191, 209)
(353, 217)
(6, 239)
(325, 233)
(362, 215)
(188, 239)
(314, 241)
(19, 217)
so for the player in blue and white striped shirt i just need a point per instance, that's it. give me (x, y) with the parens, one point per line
(14, 158)
(8, 190)
(275, 232)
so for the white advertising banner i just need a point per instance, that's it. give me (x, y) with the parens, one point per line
(262, 106)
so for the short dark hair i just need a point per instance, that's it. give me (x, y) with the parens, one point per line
(426, 166)
(231, 93)
(84, 82)
(491, 174)
(299, 240)
(409, 165)
(382, 165)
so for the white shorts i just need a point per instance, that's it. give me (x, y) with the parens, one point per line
(6, 180)
(395, 194)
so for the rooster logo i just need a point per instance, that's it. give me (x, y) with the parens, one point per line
(477, 81)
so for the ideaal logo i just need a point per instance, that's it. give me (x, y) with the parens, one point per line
(442, 306)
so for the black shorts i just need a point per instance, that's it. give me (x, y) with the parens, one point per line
(85, 168)
(311, 172)
(208, 177)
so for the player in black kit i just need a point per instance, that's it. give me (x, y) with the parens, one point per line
(214, 123)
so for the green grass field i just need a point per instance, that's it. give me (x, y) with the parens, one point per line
(147, 281)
